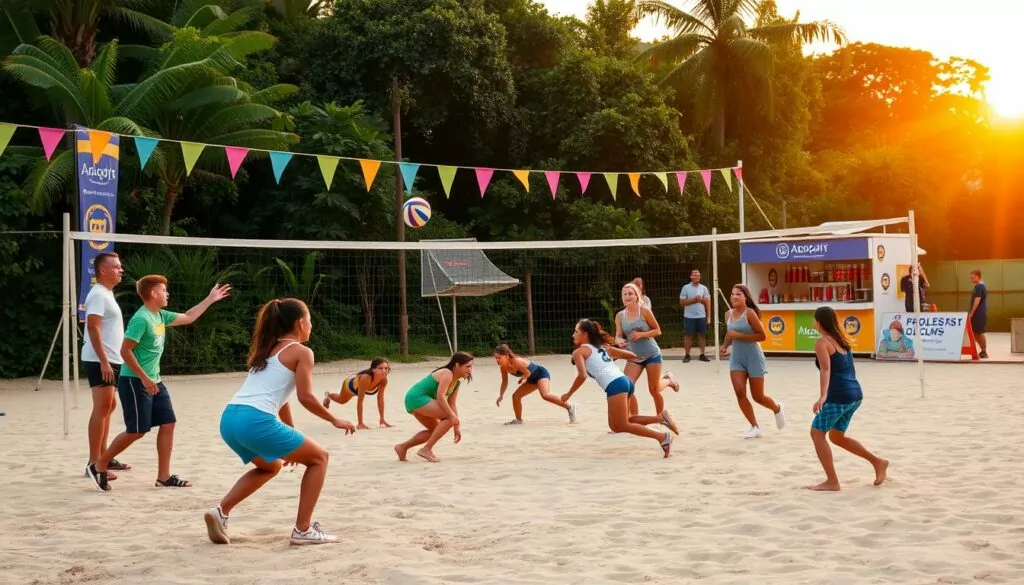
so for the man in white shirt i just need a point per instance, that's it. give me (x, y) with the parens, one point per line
(695, 299)
(101, 354)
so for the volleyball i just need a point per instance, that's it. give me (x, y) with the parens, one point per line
(416, 212)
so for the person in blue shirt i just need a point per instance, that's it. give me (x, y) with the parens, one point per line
(978, 313)
(840, 397)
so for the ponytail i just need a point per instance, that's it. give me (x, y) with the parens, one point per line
(596, 335)
(275, 319)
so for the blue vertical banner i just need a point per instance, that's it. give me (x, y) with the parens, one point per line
(97, 160)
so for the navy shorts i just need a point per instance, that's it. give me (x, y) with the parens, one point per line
(538, 374)
(143, 411)
(95, 376)
(978, 323)
(644, 362)
(695, 326)
(620, 385)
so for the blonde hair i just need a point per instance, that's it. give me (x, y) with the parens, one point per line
(636, 289)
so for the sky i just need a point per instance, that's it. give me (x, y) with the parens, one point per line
(983, 30)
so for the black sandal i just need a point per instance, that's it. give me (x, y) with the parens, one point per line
(118, 466)
(173, 481)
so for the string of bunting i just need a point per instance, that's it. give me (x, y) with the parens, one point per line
(190, 151)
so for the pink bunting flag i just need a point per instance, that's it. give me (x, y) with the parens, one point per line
(483, 178)
(739, 173)
(552, 177)
(584, 180)
(50, 137)
(236, 155)
(706, 175)
(681, 179)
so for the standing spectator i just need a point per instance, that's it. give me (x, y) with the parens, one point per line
(907, 286)
(979, 311)
(645, 301)
(695, 300)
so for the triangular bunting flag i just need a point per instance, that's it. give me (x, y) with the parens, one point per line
(236, 155)
(409, 171)
(328, 165)
(524, 178)
(739, 173)
(483, 178)
(552, 177)
(613, 182)
(663, 177)
(50, 137)
(6, 132)
(145, 146)
(584, 181)
(278, 160)
(706, 175)
(370, 168)
(727, 175)
(98, 142)
(191, 152)
(447, 175)
(634, 182)
(681, 179)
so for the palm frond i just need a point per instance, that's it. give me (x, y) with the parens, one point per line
(752, 57)
(59, 54)
(732, 27)
(231, 22)
(675, 19)
(676, 49)
(34, 70)
(205, 96)
(273, 94)
(693, 70)
(140, 21)
(139, 53)
(96, 96)
(247, 43)
(237, 117)
(105, 63)
(205, 15)
(121, 125)
(146, 99)
(808, 32)
(50, 180)
(258, 138)
(17, 26)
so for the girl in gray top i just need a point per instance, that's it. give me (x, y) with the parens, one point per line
(636, 328)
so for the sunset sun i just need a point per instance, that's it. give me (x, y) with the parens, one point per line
(1006, 96)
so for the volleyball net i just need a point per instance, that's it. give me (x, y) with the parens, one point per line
(460, 294)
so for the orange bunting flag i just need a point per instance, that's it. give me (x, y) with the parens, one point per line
(524, 178)
(634, 181)
(98, 142)
(370, 168)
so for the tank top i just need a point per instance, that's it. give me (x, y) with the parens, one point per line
(645, 347)
(601, 367)
(268, 389)
(843, 387)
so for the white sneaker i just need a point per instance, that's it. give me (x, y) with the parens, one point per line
(671, 381)
(572, 412)
(780, 417)
(753, 433)
(315, 535)
(514, 421)
(217, 525)
(666, 444)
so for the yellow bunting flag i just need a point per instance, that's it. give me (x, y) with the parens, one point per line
(524, 178)
(613, 182)
(6, 132)
(727, 175)
(328, 164)
(98, 142)
(663, 177)
(634, 181)
(447, 176)
(191, 151)
(370, 168)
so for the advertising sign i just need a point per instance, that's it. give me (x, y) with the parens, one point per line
(97, 164)
(942, 335)
(804, 250)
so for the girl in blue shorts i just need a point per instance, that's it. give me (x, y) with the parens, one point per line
(840, 398)
(257, 423)
(594, 357)
(747, 364)
(532, 377)
(636, 330)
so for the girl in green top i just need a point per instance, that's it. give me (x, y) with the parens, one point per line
(438, 414)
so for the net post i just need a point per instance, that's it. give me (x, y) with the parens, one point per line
(65, 325)
(73, 320)
(743, 267)
(915, 278)
(714, 284)
(403, 306)
(455, 324)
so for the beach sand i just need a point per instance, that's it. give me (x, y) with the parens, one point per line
(545, 502)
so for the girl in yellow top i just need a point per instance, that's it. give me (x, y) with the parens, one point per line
(369, 382)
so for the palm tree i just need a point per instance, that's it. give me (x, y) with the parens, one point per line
(713, 50)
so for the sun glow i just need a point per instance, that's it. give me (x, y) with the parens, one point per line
(1006, 96)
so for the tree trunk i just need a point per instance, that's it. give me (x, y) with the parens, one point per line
(403, 311)
(79, 39)
(718, 125)
(365, 282)
(170, 198)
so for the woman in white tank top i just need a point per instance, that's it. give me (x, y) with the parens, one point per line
(594, 357)
(257, 423)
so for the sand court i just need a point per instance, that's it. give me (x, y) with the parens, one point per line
(545, 502)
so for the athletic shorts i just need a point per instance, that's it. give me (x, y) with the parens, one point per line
(95, 376)
(978, 323)
(620, 385)
(834, 416)
(644, 362)
(538, 374)
(252, 433)
(695, 326)
(143, 411)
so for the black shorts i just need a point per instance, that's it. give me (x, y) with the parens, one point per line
(95, 376)
(695, 326)
(143, 411)
(978, 323)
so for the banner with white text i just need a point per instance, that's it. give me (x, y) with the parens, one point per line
(941, 336)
